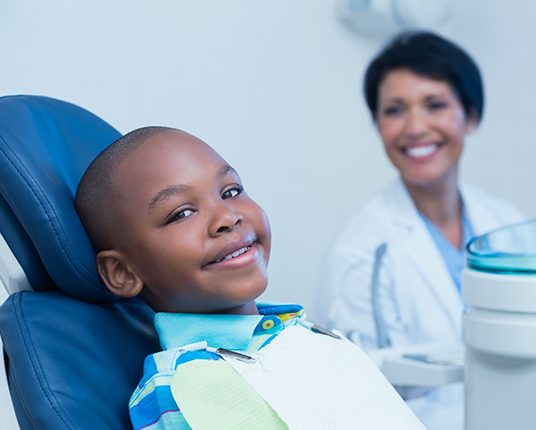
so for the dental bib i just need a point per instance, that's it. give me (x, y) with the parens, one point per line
(314, 381)
(310, 381)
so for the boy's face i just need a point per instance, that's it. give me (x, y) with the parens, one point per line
(195, 238)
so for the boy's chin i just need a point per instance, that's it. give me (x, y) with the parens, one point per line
(252, 294)
(249, 308)
(248, 302)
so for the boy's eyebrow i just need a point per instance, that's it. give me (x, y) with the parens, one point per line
(226, 169)
(170, 191)
(173, 190)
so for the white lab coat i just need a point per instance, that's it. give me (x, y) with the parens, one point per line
(417, 295)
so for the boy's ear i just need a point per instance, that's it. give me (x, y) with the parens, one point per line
(117, 274)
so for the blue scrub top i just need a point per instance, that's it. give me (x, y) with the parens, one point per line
(454, 258)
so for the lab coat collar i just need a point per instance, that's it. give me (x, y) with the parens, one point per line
(423, 253)
(482, 219)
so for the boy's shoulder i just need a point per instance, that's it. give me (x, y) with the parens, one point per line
(152, 401)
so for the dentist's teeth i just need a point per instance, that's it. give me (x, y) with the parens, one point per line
(421, 151)
(234, 254)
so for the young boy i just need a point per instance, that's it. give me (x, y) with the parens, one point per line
(171, 223)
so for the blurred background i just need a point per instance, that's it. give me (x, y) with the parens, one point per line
(275, 87)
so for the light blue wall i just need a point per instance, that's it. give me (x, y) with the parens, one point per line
(275, 86)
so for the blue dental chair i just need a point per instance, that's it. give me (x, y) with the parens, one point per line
(73, 352)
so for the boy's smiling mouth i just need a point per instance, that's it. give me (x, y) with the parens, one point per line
(236, 254)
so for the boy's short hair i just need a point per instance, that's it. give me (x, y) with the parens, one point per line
(94, 196)
(430, 55)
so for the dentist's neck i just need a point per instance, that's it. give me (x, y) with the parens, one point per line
(441, 203)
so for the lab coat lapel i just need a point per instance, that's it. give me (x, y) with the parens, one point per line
(481, 220)
(423, 254)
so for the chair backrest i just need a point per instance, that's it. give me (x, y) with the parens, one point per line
(74, 352)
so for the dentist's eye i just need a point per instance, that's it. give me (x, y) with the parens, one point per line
(392, 110)
(437, 105)
(180, 215)
(234, 191)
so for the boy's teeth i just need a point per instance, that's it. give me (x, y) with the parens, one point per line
(421, 151)
(234, 254)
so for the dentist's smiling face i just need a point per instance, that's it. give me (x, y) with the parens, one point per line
(422, 124)
(197, 241)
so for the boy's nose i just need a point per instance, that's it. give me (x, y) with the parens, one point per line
(226, 221)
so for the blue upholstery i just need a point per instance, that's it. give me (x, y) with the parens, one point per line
(73, 364)
(74, 352)
(45, 147)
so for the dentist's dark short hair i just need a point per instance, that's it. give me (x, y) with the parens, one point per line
(431, 56)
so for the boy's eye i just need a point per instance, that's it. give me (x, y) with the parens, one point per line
(232, 192)
(180, 215)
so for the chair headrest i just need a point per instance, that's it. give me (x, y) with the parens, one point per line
(39, 175)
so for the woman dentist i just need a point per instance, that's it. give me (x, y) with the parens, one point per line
(403, 253)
